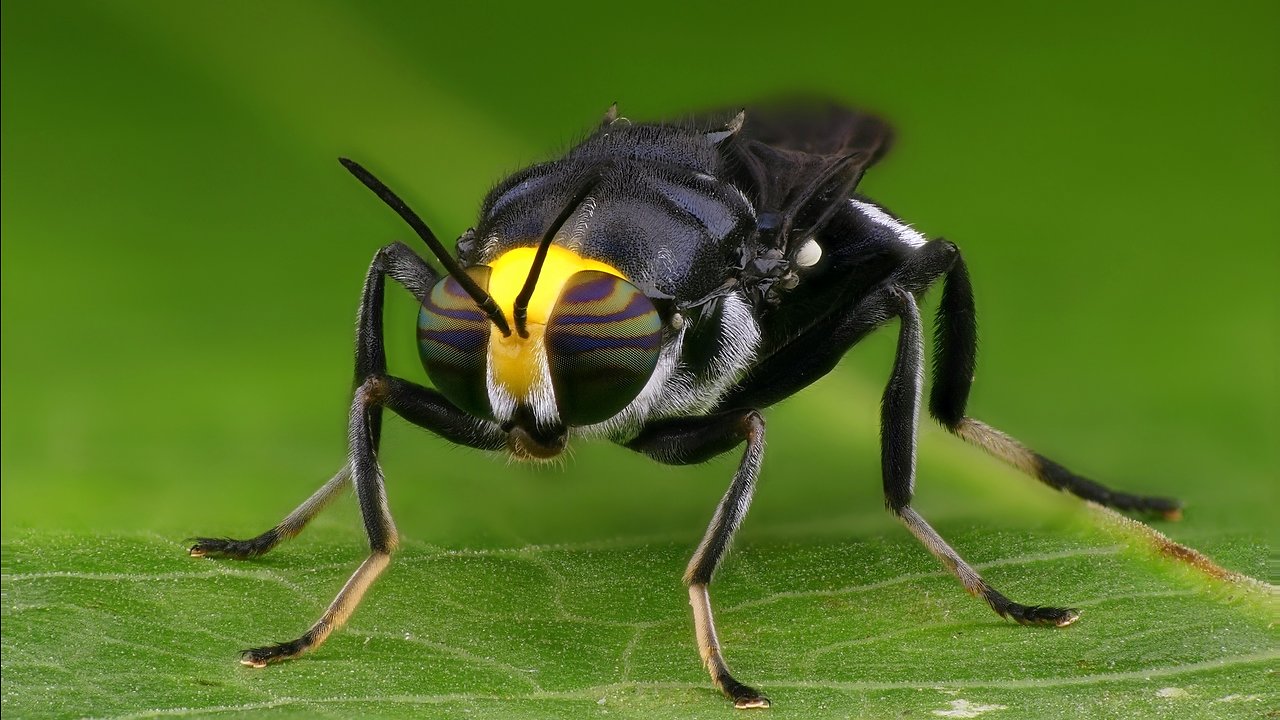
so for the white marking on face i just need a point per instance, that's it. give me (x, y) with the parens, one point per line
(809, 253)
(877, 215)
(502, 402)
(541, 396)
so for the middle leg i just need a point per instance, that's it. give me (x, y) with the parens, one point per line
(684, 441)
(288, 528)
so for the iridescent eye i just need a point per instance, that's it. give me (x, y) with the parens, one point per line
(453, 341)
(602, 339)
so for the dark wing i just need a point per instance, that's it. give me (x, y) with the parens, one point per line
(814, 127)
(797, 160)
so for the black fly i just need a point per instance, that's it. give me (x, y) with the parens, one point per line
(659, 286)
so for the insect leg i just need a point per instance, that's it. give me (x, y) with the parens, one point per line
(286, 529)
(692, 440)
(402, 264)
(900, 416)
(365, 429)
(421, 406)
(374, 390)
(954, 360)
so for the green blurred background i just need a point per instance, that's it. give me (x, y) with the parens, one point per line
(182, 254)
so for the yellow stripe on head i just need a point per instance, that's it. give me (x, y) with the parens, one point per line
(510, 270)
(519, 363)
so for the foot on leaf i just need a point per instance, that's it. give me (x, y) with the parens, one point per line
(261, 657)
(229, 548)
(1040, 615)
(744, 697)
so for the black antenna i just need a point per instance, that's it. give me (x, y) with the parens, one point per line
(521, 310)
(483, 300)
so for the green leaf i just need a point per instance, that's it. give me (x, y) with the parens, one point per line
(127, 626)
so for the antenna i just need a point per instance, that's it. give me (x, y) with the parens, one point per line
(483, 300)
(521, 310)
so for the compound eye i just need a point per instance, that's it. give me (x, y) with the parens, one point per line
(602, 340)
(453, 342)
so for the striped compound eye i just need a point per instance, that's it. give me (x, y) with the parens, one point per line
(602, 340)
(453, 341)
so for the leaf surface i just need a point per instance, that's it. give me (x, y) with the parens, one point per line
(127, 626)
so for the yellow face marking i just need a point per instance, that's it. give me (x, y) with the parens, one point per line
(510, 270)
(519, 363)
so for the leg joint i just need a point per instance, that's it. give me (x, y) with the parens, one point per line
(373, 391)
(399, 262)
(752, 424)
(929, 263)
(386, 255)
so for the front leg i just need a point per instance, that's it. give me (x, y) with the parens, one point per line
(421, 406)
(403, 265)
(375, 390)
(365, 430)
(683, 441)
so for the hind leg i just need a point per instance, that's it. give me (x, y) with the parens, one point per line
(682, 441)
(954, 360)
